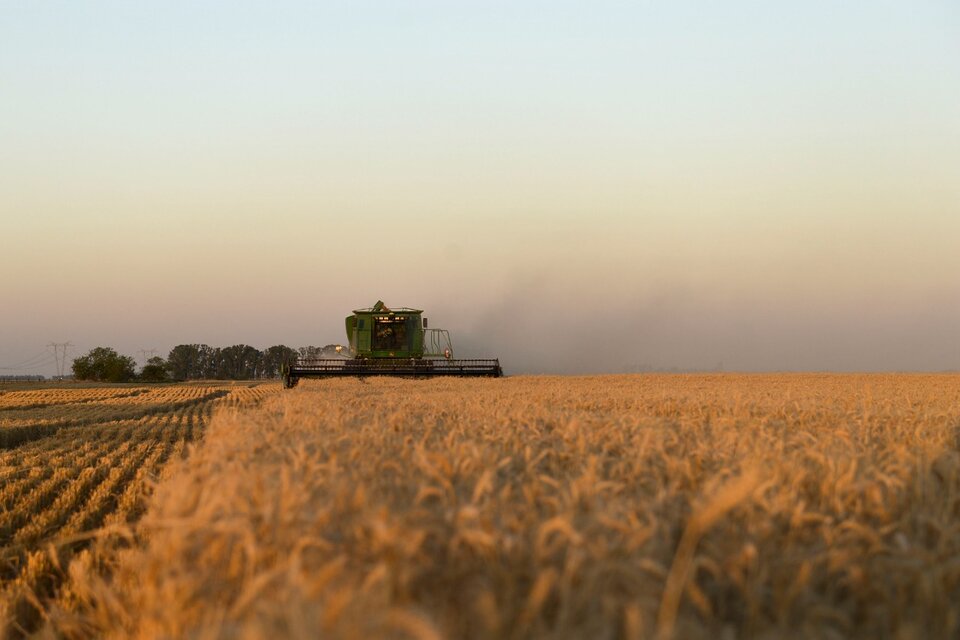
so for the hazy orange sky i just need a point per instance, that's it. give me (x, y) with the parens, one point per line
(571, 187)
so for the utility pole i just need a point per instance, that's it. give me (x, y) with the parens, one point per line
(60, 355)
(144, 352)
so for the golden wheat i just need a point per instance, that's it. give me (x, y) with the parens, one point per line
(75, 459)
(555, 507)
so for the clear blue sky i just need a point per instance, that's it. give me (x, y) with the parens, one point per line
(570, 186)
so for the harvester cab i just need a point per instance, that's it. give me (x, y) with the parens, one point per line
(392, 342)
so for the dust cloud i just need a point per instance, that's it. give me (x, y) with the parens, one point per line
(680, 331)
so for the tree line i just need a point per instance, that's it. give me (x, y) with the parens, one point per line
(194, 362)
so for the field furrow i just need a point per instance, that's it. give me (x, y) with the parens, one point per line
(74, 460)
(18, 428)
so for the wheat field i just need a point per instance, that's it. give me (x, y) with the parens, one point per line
(76, 460)
(642, 506)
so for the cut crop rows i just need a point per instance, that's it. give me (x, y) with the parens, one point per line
(80, 463)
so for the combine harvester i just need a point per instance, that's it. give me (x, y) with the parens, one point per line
(391, 342)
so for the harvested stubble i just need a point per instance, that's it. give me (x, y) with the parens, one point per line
(56, 486)
(628, 506)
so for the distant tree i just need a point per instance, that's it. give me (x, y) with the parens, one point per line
(103, 364)
(239, 362)
(155, 370)
(209, 362)
(185, 362)
(273, 358)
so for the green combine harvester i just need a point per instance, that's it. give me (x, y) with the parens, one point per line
(391, 342)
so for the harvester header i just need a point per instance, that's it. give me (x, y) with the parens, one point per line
(391, 342)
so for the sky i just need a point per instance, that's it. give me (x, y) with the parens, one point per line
(571, 187)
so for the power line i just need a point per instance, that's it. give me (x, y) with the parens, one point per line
(39, 366)
(32, 366)
(29, 361)
(43, 357)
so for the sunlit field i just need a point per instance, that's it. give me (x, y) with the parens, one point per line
(76, 459)
(687, 506)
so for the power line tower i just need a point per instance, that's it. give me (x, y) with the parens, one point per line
(60, 355)
(144, 352)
